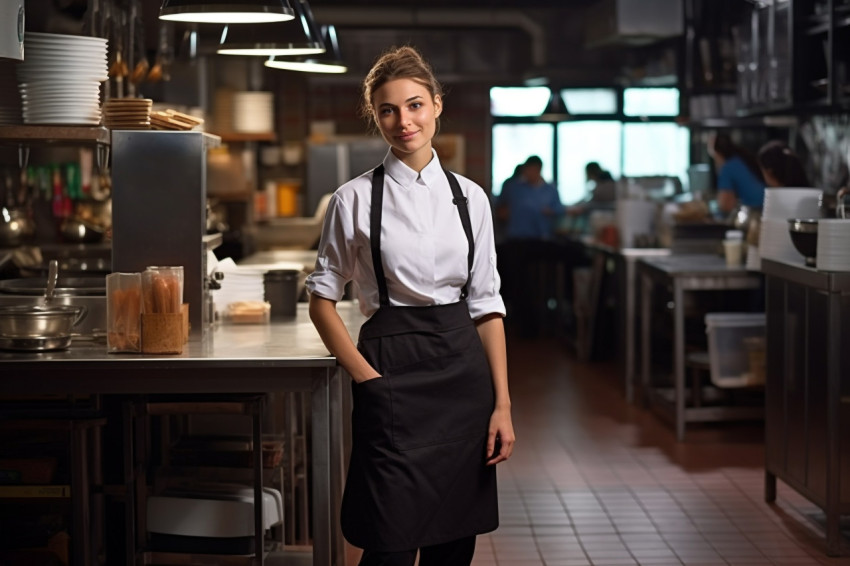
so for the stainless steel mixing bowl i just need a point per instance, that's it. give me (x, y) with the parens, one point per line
(37, 321)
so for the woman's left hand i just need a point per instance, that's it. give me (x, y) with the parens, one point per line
(500, 442)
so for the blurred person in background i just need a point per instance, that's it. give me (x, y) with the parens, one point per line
(739, 180)
(604, 187)
(529, 205)
(530, 208)
(781, 167)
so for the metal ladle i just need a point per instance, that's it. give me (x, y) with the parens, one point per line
(52, 278)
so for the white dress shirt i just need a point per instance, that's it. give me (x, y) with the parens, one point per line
(423, 246)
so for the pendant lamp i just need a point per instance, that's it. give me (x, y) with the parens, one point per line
(328, 62)
(226, 11)
(299, 37)
(555, 110)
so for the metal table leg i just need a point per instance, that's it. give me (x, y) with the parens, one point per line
(646, 336)
(833, 435)
(321, 469)
(679, 357)
(630, 329)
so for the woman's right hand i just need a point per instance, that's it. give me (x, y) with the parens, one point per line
(365, 379)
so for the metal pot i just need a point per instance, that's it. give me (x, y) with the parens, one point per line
(77, 231)
(38, 327)
(65, 286)
(16, 227)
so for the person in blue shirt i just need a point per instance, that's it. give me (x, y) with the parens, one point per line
(530, 205)
(530, 208)
(739, 180)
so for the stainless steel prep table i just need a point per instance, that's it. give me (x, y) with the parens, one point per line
(275, 357)
(626, 260)
(685, 274)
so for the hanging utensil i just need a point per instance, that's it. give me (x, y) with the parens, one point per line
(52, 278)
(137, 48)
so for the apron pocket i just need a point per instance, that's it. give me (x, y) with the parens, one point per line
(439, 400)
(372, 407)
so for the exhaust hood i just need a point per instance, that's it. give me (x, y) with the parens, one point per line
(632, 22)
(12, 29)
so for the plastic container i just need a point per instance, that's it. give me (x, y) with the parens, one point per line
(281, 291)
(123, 312)
(727, 350)
(162, 289)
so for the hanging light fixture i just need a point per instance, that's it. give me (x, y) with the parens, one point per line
(300, 37)
(328, 62)
(556, 109)
(226, 11)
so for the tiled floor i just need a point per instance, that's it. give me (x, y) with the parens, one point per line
(595, 481)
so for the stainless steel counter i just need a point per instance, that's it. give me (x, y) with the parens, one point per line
(684, 274)
(233, 359)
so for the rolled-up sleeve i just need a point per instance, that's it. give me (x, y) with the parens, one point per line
(336, 255)
(484, 285)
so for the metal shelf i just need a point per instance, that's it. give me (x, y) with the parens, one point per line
(32, 134)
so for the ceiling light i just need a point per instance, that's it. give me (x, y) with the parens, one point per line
(328, 62)
(226, 11)
(555, 110)
(301, 37)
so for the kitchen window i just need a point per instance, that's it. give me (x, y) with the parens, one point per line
(630, 132)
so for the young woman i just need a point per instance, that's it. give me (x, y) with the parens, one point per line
(432, 413)
(781, 167)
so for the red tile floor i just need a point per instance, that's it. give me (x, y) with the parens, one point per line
(596, 481)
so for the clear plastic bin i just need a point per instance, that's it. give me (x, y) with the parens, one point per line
(123, 312)
(727, 347)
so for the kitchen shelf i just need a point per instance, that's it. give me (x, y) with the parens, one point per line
(27, 134)
(39, 492)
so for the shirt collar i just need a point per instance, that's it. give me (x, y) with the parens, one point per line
(407, 177)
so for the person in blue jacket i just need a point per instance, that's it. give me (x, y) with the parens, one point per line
(739, 180)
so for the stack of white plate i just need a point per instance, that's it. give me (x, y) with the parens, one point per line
(240, 283)
(10, 98)
(791, 202)
(253, 112)
(60, 78)
(833, 249)
(634, 217)
(780, 204)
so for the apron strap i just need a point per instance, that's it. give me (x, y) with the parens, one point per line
(461, 202)
(376, 214)
(375, 233)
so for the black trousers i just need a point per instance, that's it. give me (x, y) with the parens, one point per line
(455, 553)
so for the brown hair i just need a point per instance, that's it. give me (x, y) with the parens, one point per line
(783, 164)
(398, 63)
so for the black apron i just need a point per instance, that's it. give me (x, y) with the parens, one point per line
(417, 475)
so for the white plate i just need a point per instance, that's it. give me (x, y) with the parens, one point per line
(74, 62)
(75, 121)
(70, 88)
(81, 95)
(87, 115)
(77, 76)
(62, 38)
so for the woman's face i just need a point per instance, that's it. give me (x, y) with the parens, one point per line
(769, 178)
(406, 114)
